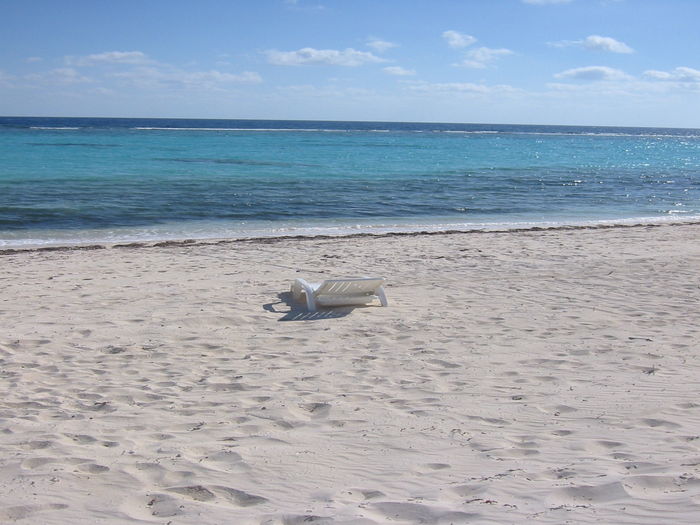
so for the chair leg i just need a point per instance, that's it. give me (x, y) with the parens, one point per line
(310, 303)
(382, 296)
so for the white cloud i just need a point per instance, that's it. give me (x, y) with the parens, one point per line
(458, 40)
(31, 60)
(135, 69)
(606, 43)
(62, 75)
(626, 88)
(213, 77)
(679, 74)
(480, 57)
(110, 57)
(399, 71)
(143, 77)
(380, 45)
(297, 6)
(5, 79)
(310, 92)
(595, 88)
(658, 75)
(310, 56)
(596, 43)
(102, 91)
(458, 87)
(593, 73)
(546, 2)
(655, 86)
(152, 77)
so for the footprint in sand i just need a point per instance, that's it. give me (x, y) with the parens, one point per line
(233, 496)
(443, 364)
(416, 513)
(469, 491)
(93, 468)
(163, 505)
(313, 410)
(155, 474)
(562, 433)
(660, 423)
(361, 495)
(585, 494)
(195, 492)
(39, 444)
(601, 446)
(653, 487)
(238, 497)
(21, 512)
(430, 468)
(34, 463)
(82, 439)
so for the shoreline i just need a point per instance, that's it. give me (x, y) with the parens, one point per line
(302, 237)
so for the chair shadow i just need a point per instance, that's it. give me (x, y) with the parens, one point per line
(298, 312)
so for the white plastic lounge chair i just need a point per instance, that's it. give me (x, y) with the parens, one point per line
(339, 292)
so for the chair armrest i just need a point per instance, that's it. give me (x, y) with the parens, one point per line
(299, 287)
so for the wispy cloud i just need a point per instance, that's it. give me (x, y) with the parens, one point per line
(109, 57)
(546, 2)
(596, 43)
(299, 6)
(606, 43)
(624, 87)
(307, 92)
(380, 46)
(481, 57)
(6, 79)
(158, 77)
(593, 73)
(309, 56)
(399, 71)
(61, 75)
(120, 70)
(457, 40)
(458, 87)
(214, 78)
(679, 74)
(478, 58)
(135, 68)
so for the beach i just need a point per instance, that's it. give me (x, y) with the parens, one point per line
(543, 376)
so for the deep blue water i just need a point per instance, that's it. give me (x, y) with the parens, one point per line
(71, 180)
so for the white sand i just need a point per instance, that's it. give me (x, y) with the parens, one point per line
(544, 377)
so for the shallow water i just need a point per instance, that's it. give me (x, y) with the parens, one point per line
(92, 180)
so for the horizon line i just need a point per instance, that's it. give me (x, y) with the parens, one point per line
(351, 121)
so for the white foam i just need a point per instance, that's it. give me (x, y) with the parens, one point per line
(437, 131)
(209, 230)
(280, 130)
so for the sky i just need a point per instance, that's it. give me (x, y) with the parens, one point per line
(568, 62)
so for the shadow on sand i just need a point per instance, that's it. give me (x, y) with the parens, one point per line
(298, 312)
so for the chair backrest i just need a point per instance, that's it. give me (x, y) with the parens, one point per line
(356, 286)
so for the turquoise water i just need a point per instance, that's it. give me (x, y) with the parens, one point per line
(108, 180)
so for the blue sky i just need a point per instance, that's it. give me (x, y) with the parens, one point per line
(585, 62)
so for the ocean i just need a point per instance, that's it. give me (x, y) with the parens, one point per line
(93, 180)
